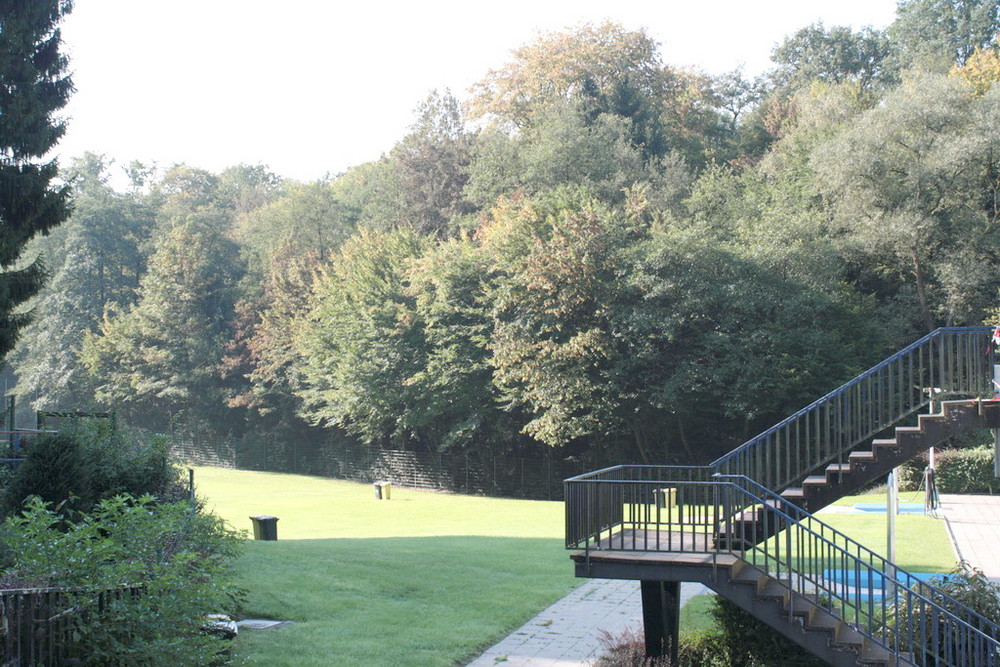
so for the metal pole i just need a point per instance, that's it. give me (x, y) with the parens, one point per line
(891, 509)
(996, 432)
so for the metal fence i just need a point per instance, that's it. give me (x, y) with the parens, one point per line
(534, 477)
(37, 625)
(655, 509)
(948, 362)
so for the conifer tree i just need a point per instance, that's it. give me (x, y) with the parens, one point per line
(34, 85)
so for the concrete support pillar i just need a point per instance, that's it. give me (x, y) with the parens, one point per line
(661, 614)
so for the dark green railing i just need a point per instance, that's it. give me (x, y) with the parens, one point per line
(648, 508)
(41, 626)
(950, 362)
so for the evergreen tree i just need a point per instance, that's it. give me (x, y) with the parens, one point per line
(34, 85)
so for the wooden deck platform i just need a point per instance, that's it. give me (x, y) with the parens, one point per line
(653, 555)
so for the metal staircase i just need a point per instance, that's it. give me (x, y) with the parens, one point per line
(743, 527)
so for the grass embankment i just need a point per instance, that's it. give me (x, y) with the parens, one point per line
(422, 579)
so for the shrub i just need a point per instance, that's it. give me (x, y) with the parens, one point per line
(749, 642)
(944, 642)
(627, 649)
(741, 641)
(180, 557)
(87, 462)
(956, 471)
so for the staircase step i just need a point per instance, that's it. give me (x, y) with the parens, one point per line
(814, 480)
(821, 619)
(772, 589)
(873, 654)
(804, 605)
(887, 442)
(838, 469)
(749, 575)
(847, 637)
(861, 457)
(793, 493)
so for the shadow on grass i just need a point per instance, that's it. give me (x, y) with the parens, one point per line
(397, 600)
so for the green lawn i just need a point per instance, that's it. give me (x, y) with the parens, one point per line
(427, 578)
(422, 579)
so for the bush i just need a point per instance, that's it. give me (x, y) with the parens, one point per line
(956, 471)
(749, 642)
(970, 588)
(741, 641)
(87, 462)
(181, 558)
(627, 649)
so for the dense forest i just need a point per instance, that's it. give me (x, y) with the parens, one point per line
(592, 250)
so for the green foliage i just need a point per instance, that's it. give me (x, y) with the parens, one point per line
(96, 263)
(957, 471)
(362, 340)
(182, 559)
(928, 32)
(912, 186)
(833, 55)
(35, 84)
(163, 356)
(749, 642)
(967, 587)
(86, 463)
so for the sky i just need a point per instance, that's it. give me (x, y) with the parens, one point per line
(312, 87)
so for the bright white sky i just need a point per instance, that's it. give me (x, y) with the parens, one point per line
(310, 87)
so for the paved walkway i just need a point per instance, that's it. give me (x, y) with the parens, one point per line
(569, 632)
(974, 524)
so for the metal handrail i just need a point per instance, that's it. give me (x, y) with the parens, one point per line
(953, 361)
(912, 618)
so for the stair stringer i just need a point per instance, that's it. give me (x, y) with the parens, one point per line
(799, 618)
(830, 482)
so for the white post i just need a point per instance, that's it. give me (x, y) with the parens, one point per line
(891, 509)
(996, 432)
(930, 487)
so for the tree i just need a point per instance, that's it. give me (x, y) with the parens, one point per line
(362, 340)
(949, 30)
(97, 265)
(433, 163)
(981, 70)
(590, 61)
(832, 55)
(604, 69)
(163, 356)
(34, 85)
(555, 343)
(914, 184)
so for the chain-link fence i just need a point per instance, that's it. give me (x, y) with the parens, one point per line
(509, 476)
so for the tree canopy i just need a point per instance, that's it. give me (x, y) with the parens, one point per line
(594, 254)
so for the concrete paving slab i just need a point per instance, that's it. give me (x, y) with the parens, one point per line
(568, 633)
(974, 524)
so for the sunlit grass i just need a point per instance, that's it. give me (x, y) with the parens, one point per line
(318, 507)
(421, 579)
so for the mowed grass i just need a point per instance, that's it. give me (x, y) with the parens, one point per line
(421, 579)
(428, 578)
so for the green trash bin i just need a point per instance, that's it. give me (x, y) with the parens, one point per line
(265, 527)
